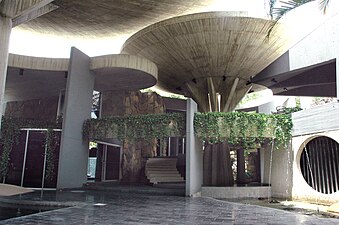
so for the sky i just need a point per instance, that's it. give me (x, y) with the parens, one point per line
(59, 47)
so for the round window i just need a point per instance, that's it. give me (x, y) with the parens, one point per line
(319, 164)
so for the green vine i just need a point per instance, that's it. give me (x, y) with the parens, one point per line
(10, 132)
(245, 129)
(51, 143)
(9, 136)
(132, 128)
(237, 128)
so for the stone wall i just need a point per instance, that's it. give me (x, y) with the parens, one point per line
(122, 103)
(133, 103)
(37, 109)
(112, 103)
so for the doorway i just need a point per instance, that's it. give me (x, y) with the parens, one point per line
(106, 162)
(28, 164)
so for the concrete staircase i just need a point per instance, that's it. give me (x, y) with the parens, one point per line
(162, 170)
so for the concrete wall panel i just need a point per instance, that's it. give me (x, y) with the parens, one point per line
(78, 103)
(321, 45)
(318, 119)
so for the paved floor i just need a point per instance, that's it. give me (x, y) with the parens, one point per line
(131, 208)
(9, 190)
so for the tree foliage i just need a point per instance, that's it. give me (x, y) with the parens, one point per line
(277, 13)
(243, 129)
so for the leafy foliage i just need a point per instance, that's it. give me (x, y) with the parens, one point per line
(132, 128)
(237, 128)
(287, 110)
(245, 129)
(51, 142)
(277, 13)
(10, 131)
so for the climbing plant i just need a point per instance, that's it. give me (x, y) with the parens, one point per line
(237, 128)
(131, 128)
(245, 129)
(52, 141)
(10, 132)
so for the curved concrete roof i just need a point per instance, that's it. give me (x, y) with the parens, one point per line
(100, 27)
(123, 72)
(207, 53)
(102, 18)
(33, 77)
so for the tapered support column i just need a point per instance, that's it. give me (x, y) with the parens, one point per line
(5, 32)
(337, 76)
(194, 153)
(78, 102)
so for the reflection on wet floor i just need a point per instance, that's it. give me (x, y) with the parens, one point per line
(109, 207)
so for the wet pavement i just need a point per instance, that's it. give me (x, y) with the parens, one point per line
(98, 207)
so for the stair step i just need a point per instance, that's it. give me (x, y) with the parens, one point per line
(160, 175)
(153, 180)
(160, 166)
(162, 170)
(162, 159)
(166, 181)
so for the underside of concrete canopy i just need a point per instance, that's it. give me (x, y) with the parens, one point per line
(23, 11)
(96, 18)
(34, 77)
(315, 80)
(212, 56)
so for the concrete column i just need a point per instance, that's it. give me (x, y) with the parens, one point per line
(5, 32)
(337, 76)
(78, 102)
(194, 153)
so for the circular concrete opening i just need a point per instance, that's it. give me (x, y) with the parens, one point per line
(319, 164)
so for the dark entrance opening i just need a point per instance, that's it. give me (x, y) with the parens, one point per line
(27, 162)
(104, 162)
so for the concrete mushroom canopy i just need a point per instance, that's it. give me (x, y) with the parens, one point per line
(35, 77)
(123, 72)
(209, 57)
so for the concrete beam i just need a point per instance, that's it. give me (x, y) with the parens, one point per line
(15, 8)
(337, 77)
(5, 28)
(230, 96)
(212, 95)
(238, 95)
(200, 96)
(31, 15)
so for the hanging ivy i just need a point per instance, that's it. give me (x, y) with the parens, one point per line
(9, 136)
(131, 128)
(245, 129)
(51, 142)
(237, 128)
(10, 132)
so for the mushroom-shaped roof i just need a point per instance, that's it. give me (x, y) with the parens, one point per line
(207, 54)
(35, 77)
(123, 72)
(99, 27)
(105, 18)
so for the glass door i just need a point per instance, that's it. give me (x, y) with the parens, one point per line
(111, 163)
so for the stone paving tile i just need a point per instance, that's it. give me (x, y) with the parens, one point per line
(145, 209)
